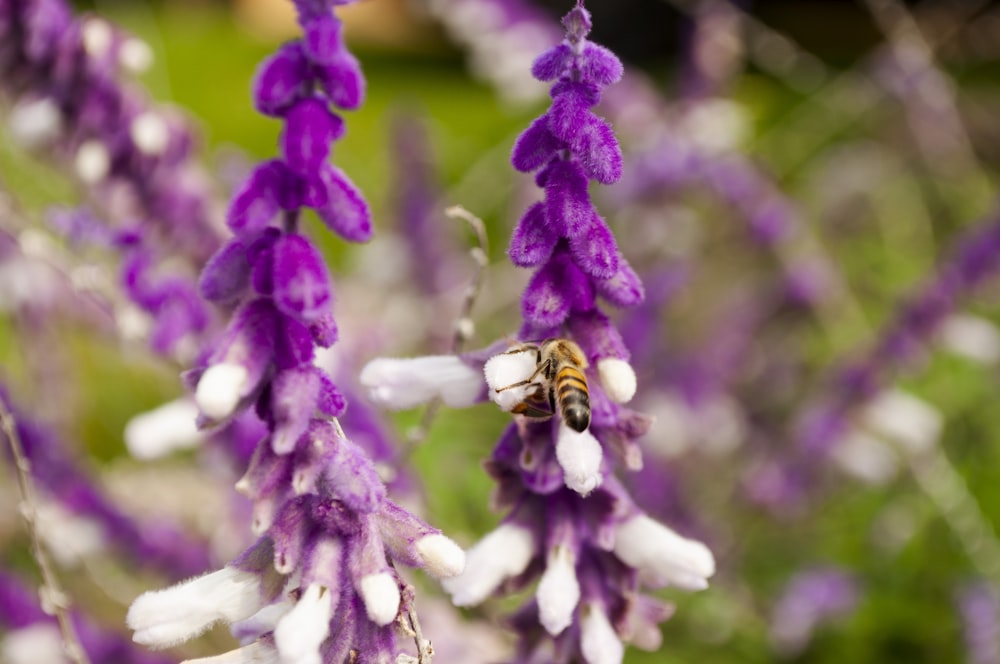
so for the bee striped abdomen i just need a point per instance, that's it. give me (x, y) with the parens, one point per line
(573, 397)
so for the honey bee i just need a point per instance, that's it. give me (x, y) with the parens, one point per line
(559, 381)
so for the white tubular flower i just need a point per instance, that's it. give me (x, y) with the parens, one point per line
(300, 632)
(163, 618)
(258, 652)
(163, 430)
(380, 593)
(580, 456)
(912, 423)
(971, 336)
(35, 123)
(617, 379)
(92, 161)
(598, 640)
(40, 642)
(503, 553)
(558, 591)
(442, 558)
(663, 555)
(135, 55)
(404, 383)
(220, 389)
(502, 371)
(97, 37)
(150, 133)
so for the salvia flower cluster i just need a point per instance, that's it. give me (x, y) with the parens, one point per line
(571, 525)
(320, 584)
(136, 161)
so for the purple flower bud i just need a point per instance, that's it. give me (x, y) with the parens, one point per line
(322, 42)
(555, 290)
(533, 240)
(594, 249)
(269, 189)
(330, 401)
(294, 344)
(260, 257)
(301, 282)
(535, 146)
(324, 329)
(342, 81)
(344, 209)
(571, 102)
(624, 289)
(348, 473)
(309, 130)
(577, 23)
(600, 66)
(550, 65)
(293, 401)
(225, 276)
(598, 150)
(567, 203)
(597, 336)
(281, 80)
(288, 533)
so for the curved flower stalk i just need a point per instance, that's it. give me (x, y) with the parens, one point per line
(78, 520)
(31, 634)
(571, 525)
(320, 584)
(135, 161)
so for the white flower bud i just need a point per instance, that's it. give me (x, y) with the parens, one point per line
(617, 378)
(300, 632)
(160, 431)
(580, 456)
(663, 555)
(380, 593)
(40, 642)
(598, 640)
(912, 423)
(97, 37)
(502, 371)
(92, 161)
(971, 336)
(503, 553)
(150, 133)
(135, 55)
(35, 123)
(220, 389)
(441, 556)
(558, 591)
(404, 383)
(167, 617)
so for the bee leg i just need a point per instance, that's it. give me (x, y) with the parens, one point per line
(530, 411)
(542, 368)
(521, 348)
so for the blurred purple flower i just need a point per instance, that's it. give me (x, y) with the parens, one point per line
(809, 600)
(979, 607)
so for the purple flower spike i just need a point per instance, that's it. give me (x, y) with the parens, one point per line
(310, 128)
(301, 282)
(567, 203)
(281, 80)
(344, 209)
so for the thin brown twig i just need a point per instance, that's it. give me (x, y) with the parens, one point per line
(54, 599)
